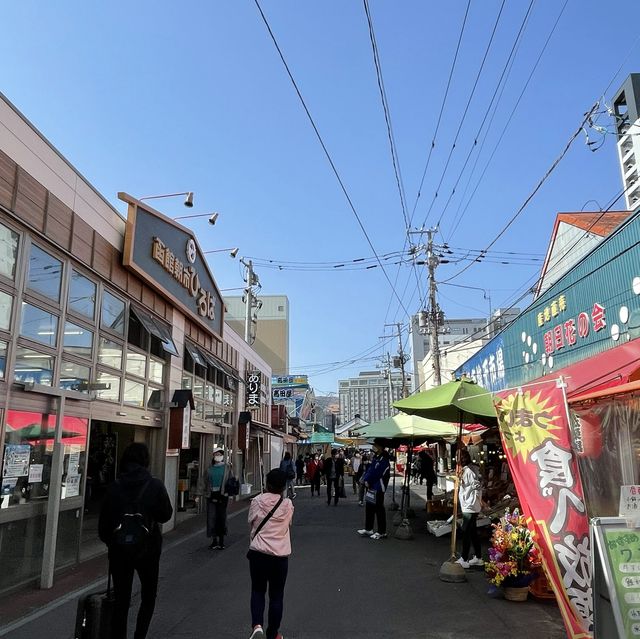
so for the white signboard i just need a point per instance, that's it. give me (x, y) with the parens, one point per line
(186, 425)
(73, 486)
(630, 502)
(35, 473)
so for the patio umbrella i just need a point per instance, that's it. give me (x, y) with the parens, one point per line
(461, 401)
(408, 427)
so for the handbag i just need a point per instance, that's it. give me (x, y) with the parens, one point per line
(370, 496)
(232, 487)
(267, 518)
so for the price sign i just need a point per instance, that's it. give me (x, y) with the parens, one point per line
(630, 502)
(623, 553)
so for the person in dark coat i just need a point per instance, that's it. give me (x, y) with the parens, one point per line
(427, 472)
(376, 479)
(134, 486)
(333, 470)
(299, 470)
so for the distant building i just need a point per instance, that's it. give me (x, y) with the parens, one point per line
(271, 330)
(368, 395)
(451, 358)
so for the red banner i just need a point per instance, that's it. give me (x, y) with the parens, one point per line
(537, 441)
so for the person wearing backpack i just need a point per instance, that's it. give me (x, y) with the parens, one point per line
(288, 468)
(133, 508)
(216, 484)
(270, 516)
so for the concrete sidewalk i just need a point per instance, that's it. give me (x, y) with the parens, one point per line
(339, 585)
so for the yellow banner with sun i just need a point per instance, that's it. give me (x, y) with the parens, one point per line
(537, 441)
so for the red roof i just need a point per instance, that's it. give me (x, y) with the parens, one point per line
(598, 223)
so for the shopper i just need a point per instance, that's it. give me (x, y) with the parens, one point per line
(354, 464)
(288, 468)
(214, 488)
(470, 497)
(376, 480)
(133, 508)
(299, 471)
(313, 472)
(270, 517)
(333, 469)
(427, 472)
(364, 466)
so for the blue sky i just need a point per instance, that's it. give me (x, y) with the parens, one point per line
(156, 97)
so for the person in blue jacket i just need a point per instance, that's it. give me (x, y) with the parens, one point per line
(376, 480)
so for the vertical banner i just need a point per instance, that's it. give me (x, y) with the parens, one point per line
(253, 390)
(537, 441)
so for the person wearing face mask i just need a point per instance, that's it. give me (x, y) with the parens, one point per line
(376, 480)
(313, 472)
(215, 482)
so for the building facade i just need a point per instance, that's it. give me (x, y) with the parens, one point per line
(111, 331)
(370, 395)
(271, 329)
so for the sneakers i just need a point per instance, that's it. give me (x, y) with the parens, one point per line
(378, 535)
(474, 561)
(360, 503)
(463, 563)
(257, 633)
(363, 532)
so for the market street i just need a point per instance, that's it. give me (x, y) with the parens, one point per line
(339, 585)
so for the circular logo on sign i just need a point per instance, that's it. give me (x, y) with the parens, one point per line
(191, 251)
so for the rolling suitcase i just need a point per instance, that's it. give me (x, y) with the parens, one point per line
(95, 611)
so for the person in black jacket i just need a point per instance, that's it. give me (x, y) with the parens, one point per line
(333, 470)
(134, 490)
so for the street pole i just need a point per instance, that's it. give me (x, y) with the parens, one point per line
(402, 360)
(432, 263)
(394, 504)
(248, 301)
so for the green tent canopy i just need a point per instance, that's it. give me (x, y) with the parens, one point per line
(407, 427)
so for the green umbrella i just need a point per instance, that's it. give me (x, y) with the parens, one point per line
(406, 427)
(461, 401)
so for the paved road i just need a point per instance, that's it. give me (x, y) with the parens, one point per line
(339, 586)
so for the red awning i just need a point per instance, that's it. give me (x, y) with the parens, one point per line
(621, 389)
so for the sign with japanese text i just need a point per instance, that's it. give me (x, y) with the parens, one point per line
(298, 381)
(487, 367)
(623, 555)
(186, 426)
(630, 502)
(253, 390)
(536, 439)
(167, 256)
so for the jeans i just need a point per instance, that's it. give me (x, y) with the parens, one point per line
(217, 517)
(267, 570)
(290, 489)
(335, 482)
(470, 535)
(376, 511)
(122, 569)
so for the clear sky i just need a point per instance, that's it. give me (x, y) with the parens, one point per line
(156, 97)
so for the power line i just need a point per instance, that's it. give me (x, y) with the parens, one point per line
(326, 152)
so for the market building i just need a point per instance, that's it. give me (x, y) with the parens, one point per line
(111, 331)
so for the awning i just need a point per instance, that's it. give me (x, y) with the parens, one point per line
(156, 328)
(196, 354)
(212, 360)
(621, 389)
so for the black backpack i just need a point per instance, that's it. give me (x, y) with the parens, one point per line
(232, 487)
(131, 535)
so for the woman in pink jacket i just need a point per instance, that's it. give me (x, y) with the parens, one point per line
(270, 517)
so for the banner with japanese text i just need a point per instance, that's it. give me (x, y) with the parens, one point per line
(537, 441)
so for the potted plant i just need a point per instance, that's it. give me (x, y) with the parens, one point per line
(513, 557)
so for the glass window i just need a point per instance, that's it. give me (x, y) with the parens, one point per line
(110, 353)
(136, 364)
(74, 377)
(33, 367)
(157, 346)
(138, 335)
(112, 312)
(3, 358)
(8, 252)
(187, 382)
(6, 306)
(39, 325)
(82, 295)
(156, 371)
(198, 387)
(77, 340)
(133, 393)
(208, 392)
(154, 398)
(199, 409)
(45, 273)
(111, 390)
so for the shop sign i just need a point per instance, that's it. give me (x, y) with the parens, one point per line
(630, 502)
(253, 390)
(186, 425)
(571, 331)
(487, 367)
(168, 257)
(537, 441)
(282, 393)
(292, 381)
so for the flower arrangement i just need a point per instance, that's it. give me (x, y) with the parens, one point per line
(513, 556)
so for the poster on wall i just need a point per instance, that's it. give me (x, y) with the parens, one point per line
(35, 473)
(16, 460)
(537, 441)
(72, 486)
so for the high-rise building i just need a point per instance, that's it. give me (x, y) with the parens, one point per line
(271, 330)
(368, 395)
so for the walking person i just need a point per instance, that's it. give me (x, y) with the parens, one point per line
(376, 480)
(214, 483)
(355, 462)
(427, 472)
(129, 524)
(299, 471)
(314, 472)
(270, 517)
(333, 469)
(288, 468)
(364, 466)
(470, 497)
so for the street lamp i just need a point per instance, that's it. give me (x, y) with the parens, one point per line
(212, 217)
(233, 252)
(188, 201)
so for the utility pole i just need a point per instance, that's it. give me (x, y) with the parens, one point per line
(389, 378)
(402, 360)
(434, 312)
(250, 300)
